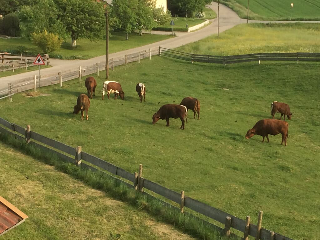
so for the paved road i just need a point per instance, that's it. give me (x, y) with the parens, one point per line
(227, 20)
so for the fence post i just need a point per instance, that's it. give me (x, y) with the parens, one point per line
(98, 69)
(136, 179)
(150, 54)
(125, 59)
(12, 67)
(80, 73)
(10, 91)
(28, 134)
(60, 78)
(271, 235)
(26, 65)
(78, 156)
(182, 202)
(35, 83)
(259, 225)
(140, 178)
(159, 51)
(247, 229)
(227, 226)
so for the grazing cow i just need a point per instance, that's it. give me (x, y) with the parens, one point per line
(193, 104)
(282, 108)
(171, 111)
(112, 87)
(141, 90)
(91, 85)
(269, 126)
(83, 104)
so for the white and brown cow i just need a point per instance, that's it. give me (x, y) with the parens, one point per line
(112, 87)
(141, 90)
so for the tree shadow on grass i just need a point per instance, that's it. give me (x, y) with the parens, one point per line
(258, 116)
(66, 91)
(50, 112)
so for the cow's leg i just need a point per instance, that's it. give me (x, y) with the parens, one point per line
(263, 138)
(194, 114)
(284, 117)
(144, 96)
(81, 114)
(115, 96)
(198, 114)
(108, 95)
(267, 137)
(94, 91)
(87, 117)
(167, 119)
(182, 124)
(280, 116)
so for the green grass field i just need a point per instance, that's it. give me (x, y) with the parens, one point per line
(259, 38)
(60, 207)
(210, 160)
(85, 48)
(276, 10)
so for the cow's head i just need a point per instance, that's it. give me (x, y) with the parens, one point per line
(289, 116)
(121, 93)
(76, 109)
(155, 118)
(250, 133)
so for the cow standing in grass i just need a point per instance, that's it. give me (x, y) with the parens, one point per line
(141, 90)
(282, 108)
(112, 87)
(91, 85)
(193, 104)
(83, 104)
(269, 126)
(171, 111)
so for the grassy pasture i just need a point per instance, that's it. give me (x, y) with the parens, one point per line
(276, 10)
(60, 207)
(85, 48)
(258, 38)
(210, 160)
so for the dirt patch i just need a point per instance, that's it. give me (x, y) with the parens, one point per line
(35, 94)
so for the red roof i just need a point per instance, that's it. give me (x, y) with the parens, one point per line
(10, 216)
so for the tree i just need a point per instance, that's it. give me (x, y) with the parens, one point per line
(187, 8)
(81, 18)
(40, 17)
(48, 42)
(10, 6)
(10, 25)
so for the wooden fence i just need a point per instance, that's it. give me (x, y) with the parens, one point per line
(256, 57)
(60, 77)
(135, 180)
(10, 62)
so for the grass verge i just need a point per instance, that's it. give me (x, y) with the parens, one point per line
(96, 180)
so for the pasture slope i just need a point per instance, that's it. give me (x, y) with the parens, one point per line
(60, 207)
(210, 160)
(275, 9)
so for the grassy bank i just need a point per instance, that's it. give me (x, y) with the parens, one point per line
(210, 160)
(85, 48)
(67, 203)
(259, 38)
(276, 10)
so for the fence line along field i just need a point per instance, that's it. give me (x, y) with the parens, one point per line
(76, 210)
(210, 160)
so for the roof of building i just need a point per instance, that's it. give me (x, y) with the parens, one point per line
(10, 216)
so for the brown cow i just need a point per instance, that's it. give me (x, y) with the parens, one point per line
(141, 90)
(193, 104)
(91, 85)
(171, 111)
(83, 104)
(112, 87)
(269, 126)
(282, 108)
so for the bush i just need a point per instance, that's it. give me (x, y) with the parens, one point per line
(47, 42)
(11, 25)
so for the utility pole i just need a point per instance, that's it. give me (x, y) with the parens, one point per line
(218, 16)
(248, 12)
(107, 43)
